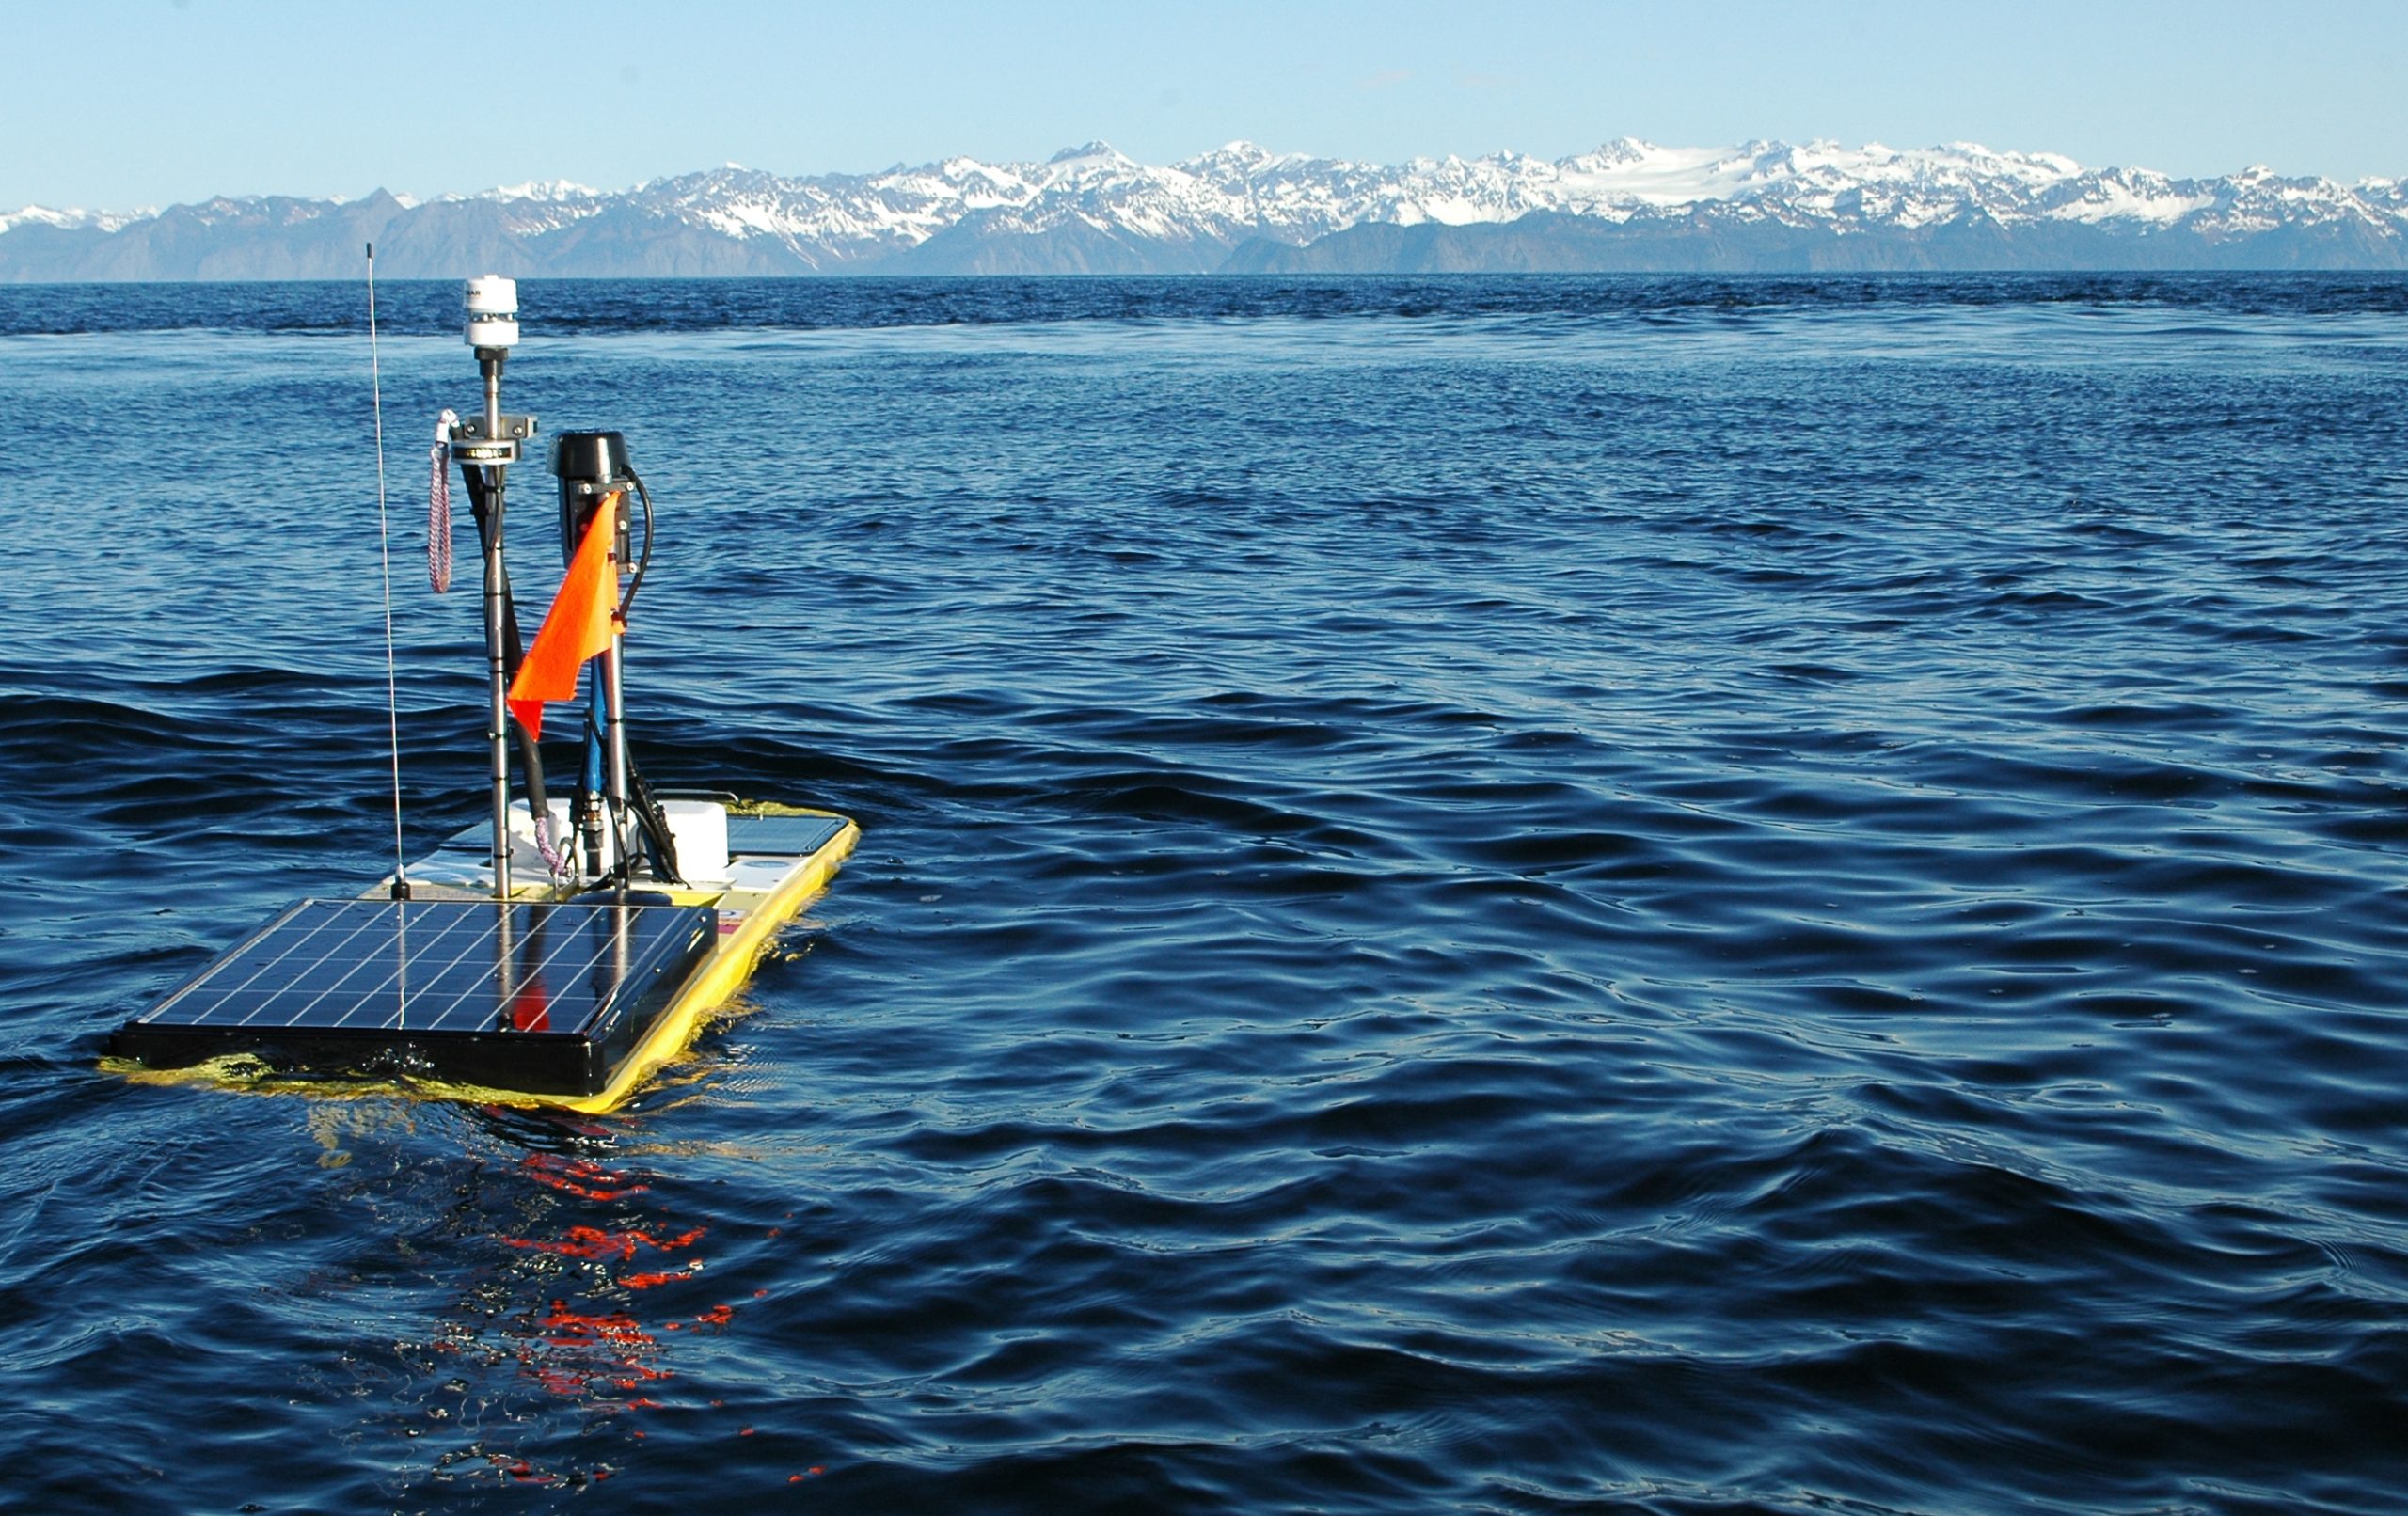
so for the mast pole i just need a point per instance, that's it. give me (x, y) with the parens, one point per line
(491, 441)
(615, 711)
(497, 670)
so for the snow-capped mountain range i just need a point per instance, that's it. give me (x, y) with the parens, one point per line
(1628, 205)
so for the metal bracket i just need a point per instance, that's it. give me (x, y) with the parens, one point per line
(472, 444)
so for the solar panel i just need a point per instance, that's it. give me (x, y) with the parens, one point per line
(801, 836)
(541, 997)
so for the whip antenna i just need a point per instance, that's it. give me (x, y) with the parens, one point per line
(385, 547)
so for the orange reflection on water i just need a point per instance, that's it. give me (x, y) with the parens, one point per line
(575, 1177)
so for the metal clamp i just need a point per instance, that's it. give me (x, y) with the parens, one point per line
(471, 443)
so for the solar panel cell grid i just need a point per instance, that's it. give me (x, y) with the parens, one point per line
(430, 965)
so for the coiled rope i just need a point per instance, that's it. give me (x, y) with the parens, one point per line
(553, 859)
(439, 505)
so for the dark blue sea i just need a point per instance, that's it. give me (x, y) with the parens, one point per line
(1519, 895)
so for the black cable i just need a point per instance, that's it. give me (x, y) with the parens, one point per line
(644, 560)
(485, 505)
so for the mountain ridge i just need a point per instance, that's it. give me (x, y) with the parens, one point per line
(1625, 206)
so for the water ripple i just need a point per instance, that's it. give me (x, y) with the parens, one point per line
(1652, 894)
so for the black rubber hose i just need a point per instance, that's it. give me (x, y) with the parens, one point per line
(487, 511)
(643, 559)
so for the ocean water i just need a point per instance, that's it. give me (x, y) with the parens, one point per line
(1526, 895)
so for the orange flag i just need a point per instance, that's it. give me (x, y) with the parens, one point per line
(576, 627)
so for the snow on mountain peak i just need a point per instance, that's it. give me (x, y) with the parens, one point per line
(1238, 156)
(1193, 213)
(39, 215)
(543, 191)
(1621, 152)
(1240, 190)
(71, 220)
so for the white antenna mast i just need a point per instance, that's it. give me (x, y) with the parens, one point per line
(385, 546)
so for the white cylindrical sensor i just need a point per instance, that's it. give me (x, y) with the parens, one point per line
(492, 295)
(493, 311)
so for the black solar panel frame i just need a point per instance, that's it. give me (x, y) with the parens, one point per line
(468, 1038)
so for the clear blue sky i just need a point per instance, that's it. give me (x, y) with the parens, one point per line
(117, 103)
